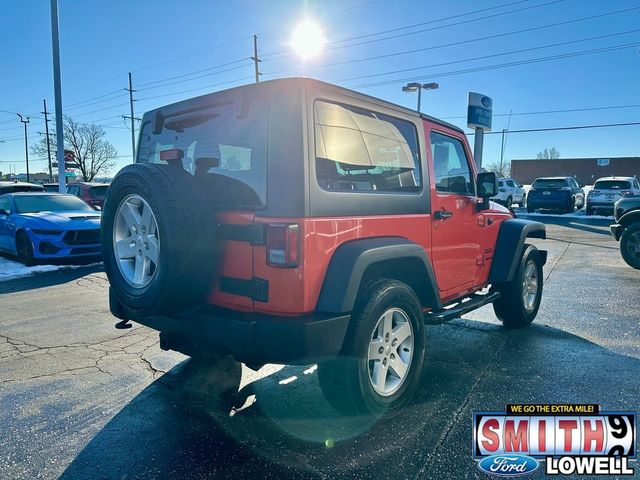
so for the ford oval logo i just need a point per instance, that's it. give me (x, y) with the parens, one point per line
(508, 465)
(486, 101)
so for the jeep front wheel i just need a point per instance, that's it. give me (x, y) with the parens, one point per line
(520, 298)
(630, 245)
(380, 365)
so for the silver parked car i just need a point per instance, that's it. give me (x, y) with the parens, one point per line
(607, 191)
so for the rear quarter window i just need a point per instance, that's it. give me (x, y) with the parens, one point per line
(358, 150)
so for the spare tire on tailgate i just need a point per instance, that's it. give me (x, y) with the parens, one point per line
(157, 239)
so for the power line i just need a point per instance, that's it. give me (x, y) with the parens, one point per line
(500, 65)
(208, 87)
(494, 55)
(438, 27)
(461, 42)
(196, 78)
(193, 73)
(573, 127)
(568, 110)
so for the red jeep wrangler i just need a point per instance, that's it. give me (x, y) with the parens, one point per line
(294, 221)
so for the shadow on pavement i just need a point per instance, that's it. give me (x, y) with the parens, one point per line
(587, 224)
(180, 427)
(48, 279)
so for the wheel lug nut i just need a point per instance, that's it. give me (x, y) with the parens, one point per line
(384, 361)
(132, 244)
(381, 350)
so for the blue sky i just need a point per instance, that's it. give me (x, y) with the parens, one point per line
(163, 42)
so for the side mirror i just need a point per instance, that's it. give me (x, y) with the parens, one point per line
(582, 185)
(487, 183)
(4, 211)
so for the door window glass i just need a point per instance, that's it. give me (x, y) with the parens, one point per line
(451, 165)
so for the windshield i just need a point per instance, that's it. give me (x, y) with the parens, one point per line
(611, 185)
(49, 203)
(99, 192)
(223, 144)
(550, 183)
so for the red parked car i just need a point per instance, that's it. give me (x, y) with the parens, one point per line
(91, 192)
(294, 221)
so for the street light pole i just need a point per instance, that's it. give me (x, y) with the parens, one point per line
(55, 47)
(25, 120)
(418, 87)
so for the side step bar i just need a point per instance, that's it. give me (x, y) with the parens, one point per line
(459, 309)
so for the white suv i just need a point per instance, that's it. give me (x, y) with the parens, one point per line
(607, 191)
(510, 192)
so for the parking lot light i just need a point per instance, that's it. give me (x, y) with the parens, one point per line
(418, 87)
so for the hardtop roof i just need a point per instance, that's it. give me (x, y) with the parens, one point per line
(316, 83)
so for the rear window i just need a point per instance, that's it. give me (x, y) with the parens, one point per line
(360, 150)
(98, 192)
(611, 185)
(550, 183)
(225, 145)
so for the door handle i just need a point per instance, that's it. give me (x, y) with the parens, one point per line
(442, 214)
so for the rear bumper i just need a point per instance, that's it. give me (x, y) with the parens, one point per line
(601, 206)
(549, 201)
(616, 230)
(250, 338)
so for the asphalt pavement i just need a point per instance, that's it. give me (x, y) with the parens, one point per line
(82, 400)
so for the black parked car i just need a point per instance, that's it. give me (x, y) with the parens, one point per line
(627, 229)
(555, 193)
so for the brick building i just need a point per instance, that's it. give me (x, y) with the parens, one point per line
(585, 170)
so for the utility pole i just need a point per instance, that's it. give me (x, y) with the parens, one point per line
(132, 118)
(504, 131)
(57, 87)
(25, 120)
(255, 58)
(46, 129)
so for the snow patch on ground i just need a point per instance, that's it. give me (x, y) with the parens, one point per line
(11, 269)
(579, 214)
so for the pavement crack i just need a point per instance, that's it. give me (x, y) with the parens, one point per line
(459, 411)
(557, 262)
(582, 243)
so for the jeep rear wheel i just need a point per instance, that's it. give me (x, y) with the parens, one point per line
(630, 245)
(379, 367)
(520, 298)
(155, 235)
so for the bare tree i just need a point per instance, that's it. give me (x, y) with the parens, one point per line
(93, 153)
(548, 153)
(501, 168)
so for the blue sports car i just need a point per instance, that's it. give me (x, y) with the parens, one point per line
(46, 226)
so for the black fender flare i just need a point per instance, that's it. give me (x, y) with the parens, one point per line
(630, 217)
(351, 260)
(510, 245)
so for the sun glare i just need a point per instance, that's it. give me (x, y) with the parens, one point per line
(307, 40)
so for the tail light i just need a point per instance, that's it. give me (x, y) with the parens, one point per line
(283, 245)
